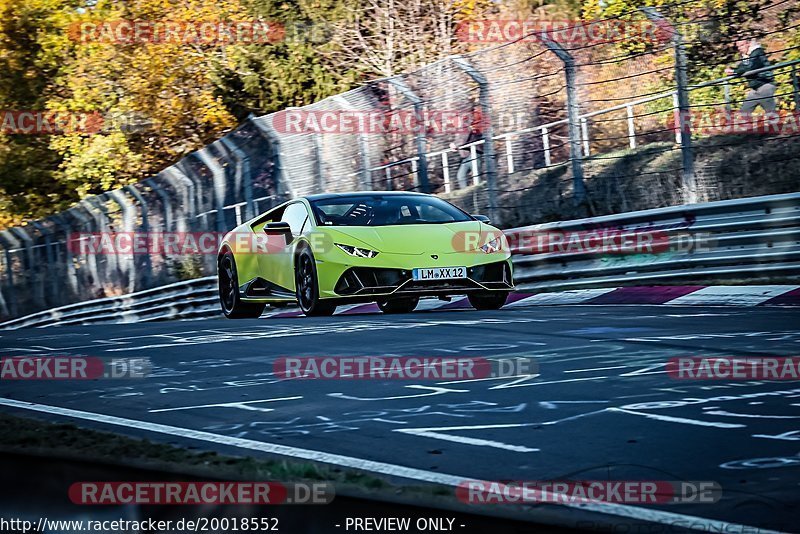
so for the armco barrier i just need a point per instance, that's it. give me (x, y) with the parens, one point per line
(751, 237)
(743, 238)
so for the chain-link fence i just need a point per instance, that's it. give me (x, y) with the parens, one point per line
(531, 130)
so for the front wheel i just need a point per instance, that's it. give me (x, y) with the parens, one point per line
(488, 301)
(307, 287)
(232, 305)
(399, 305)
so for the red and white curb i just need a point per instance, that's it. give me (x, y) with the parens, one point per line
(767, 295)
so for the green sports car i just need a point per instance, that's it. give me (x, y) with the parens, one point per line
(391, 248)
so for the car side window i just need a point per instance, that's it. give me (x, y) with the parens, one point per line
(296, 215)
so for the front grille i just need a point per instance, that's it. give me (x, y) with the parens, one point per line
(370, 281)
(365, 280)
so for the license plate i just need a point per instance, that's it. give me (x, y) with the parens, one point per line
(439, 273)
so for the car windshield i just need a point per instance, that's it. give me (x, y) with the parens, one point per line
(385, 210)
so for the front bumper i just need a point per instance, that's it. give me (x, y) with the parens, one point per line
(361, 282)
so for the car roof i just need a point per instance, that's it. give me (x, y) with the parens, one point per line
(328, 196)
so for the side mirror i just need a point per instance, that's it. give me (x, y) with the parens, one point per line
(280, 227)
(482, 218)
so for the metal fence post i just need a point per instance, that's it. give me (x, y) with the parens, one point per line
(220, 185)
(10, 242)
(31, 268)
(147, 265)
(166, 204)
(58, 219)
(126, 206)
(244, 175)
(49, 269)
(318, 166)
(283, 185)
(489, 156)
(422, 168)
(186, 185)
(366, 172)
(573, 118)
(682, 82)
(796, 87)
(5, 311)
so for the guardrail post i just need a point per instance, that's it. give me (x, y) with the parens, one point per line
(489, 156)
(573, 119)
(422, 168)
(684, 108)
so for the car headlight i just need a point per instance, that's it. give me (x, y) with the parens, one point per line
(357, 251)
(492, 246)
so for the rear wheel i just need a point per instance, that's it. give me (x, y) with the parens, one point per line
(488, 301)
(399, 305)
(307, 286)
(232, 305)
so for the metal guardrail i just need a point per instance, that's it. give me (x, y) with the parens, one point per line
(191, 298)
(723, 239)
(713, 240)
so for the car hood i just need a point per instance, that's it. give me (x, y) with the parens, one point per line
(407, 238)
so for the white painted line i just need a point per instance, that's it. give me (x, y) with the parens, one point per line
(517, 384)
(436, 433)
(731, 295)
(597, 368)
(672, 419)
(573, 296)
(621, 510)
(235, 404)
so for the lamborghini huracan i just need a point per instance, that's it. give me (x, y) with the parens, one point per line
(391, 248)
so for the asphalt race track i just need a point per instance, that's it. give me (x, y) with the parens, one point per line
(600, 407)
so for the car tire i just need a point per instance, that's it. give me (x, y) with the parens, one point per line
(399, 305)
(307, 286)
(488, 301)
(229, 298)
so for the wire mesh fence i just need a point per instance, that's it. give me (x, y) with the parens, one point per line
(518, 131)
